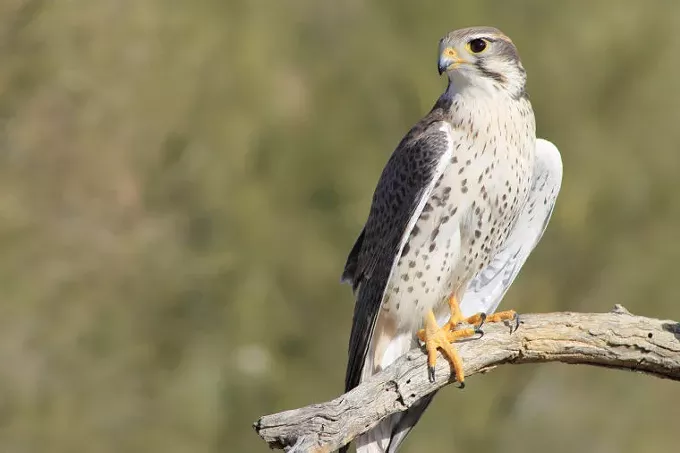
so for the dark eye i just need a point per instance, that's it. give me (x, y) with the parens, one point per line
(477, 45)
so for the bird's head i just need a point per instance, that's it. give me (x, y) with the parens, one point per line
(482, 57)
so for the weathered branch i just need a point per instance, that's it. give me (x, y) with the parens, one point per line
(615, 340)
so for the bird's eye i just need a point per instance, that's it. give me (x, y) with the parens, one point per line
(477, 45)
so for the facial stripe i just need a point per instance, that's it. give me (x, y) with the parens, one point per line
(497, 76)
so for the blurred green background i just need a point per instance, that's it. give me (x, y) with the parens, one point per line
(180, 183)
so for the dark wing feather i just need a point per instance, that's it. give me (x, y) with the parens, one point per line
(349, 274)
(407, 179)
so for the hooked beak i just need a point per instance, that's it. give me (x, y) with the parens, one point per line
(448, 59)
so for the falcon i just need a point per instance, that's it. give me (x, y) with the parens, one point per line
(459, 206)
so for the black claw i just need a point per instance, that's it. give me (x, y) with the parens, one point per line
(516, 326)
(479, 331)
(483, 316)
(430, 373)
(461, 385)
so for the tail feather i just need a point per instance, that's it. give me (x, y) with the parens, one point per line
(377, 439)
(407, 421)
(388, 435)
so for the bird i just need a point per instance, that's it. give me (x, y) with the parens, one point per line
(461, 203)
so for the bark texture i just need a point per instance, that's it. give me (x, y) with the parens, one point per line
(615, 340)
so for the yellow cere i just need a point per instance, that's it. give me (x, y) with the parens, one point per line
(450, 52)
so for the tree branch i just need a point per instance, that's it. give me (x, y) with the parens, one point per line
(614, 340)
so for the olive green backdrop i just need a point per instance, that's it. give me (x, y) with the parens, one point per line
(180, 183)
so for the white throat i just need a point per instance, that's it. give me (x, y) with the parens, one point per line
(497, 80)
(478, 87)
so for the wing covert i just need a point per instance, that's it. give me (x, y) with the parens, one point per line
(402, 191)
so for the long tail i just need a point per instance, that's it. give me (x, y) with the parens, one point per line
(388, 435)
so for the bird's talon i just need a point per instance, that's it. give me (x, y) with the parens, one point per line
(482, 317)
(515, 325)
(479, 331)
(441, 338)
(461, 385)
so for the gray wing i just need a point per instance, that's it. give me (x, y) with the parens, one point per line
(488, 287)
(403, 189)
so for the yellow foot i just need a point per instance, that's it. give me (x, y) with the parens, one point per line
(456, 315)
(478, 319)
(436, 337)
(502, 316)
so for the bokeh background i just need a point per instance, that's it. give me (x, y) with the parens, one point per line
(180, 183)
